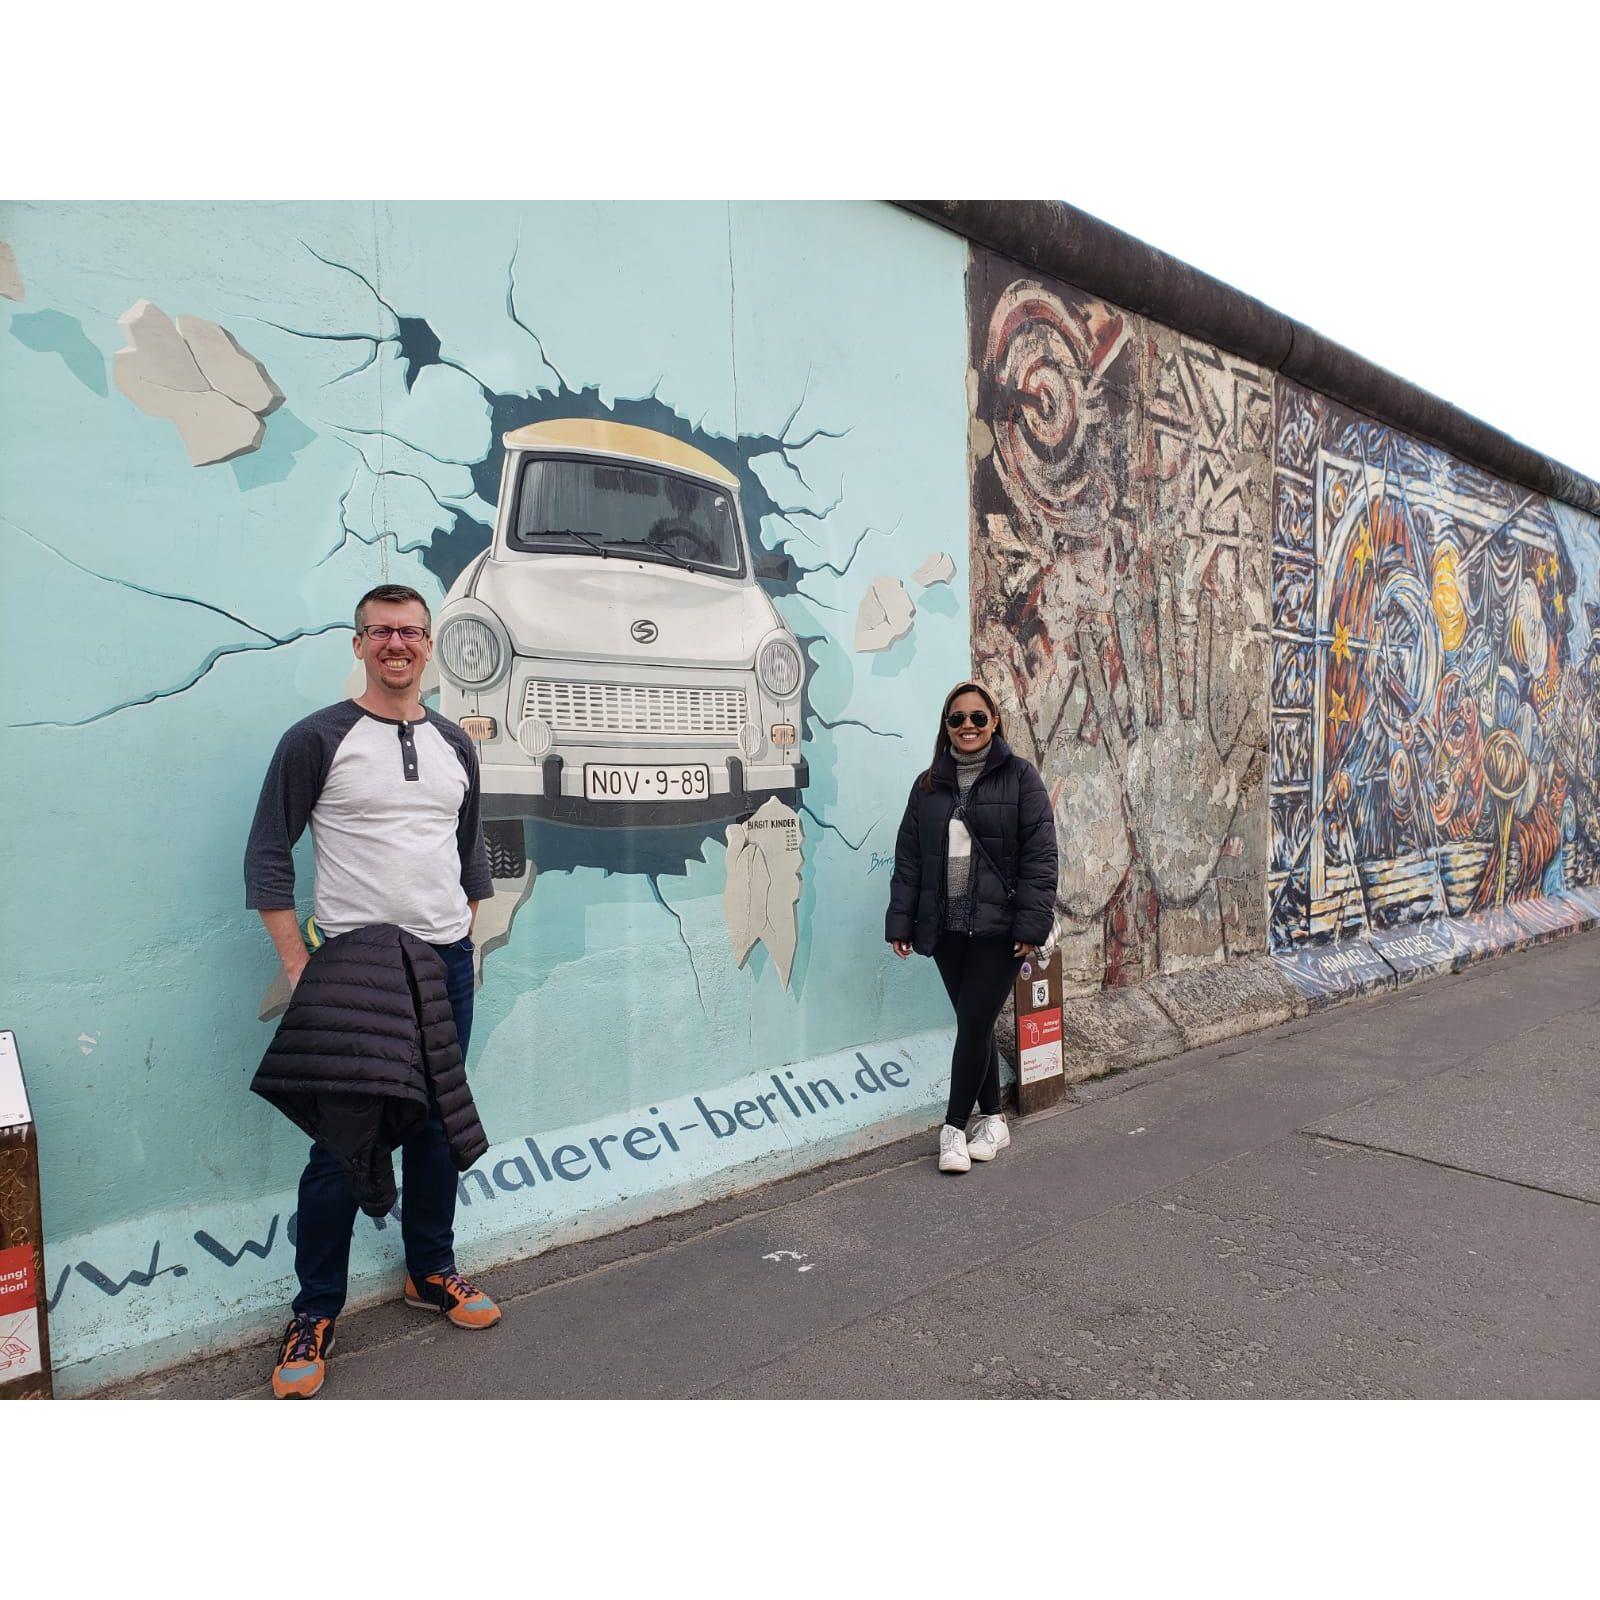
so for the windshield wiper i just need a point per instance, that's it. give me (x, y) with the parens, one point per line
(671, 555)
(570, 533)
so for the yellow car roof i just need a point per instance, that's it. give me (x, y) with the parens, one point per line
(619, 439)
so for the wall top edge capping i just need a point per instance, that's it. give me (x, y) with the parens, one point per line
(1058, 239)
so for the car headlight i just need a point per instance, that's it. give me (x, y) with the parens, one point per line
(471, 651)
(535, 735)
(778, 667)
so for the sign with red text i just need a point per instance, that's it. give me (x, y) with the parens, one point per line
(19, 1315)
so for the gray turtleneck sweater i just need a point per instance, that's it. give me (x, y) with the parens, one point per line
(958, 847)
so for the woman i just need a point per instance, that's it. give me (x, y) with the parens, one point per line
(974, 887)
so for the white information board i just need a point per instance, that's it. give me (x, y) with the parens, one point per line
(13, 1097)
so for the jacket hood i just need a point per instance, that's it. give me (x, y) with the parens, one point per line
(586, 608)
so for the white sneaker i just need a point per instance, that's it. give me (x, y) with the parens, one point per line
(990, 1136)
(953, 1155)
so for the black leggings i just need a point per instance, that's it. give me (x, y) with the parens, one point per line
(978, 974)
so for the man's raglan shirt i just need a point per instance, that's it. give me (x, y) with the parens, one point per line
(393, 808)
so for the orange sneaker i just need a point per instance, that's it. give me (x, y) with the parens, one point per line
(463, 1303)
(303, 1357)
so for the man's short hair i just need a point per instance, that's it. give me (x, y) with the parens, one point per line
(390, 594)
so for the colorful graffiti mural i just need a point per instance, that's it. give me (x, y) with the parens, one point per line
(1120, 490)
(1435, 683)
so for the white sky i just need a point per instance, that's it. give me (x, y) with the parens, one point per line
(1417, 183)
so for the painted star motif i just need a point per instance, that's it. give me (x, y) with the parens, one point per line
(1362, 553)
(1338, 712)
(1560, 601)
(1548, 568)
(1341, 642)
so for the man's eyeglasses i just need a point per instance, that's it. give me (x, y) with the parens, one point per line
(980, 719)
(379, 634)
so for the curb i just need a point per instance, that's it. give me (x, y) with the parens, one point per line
(1115, 1029)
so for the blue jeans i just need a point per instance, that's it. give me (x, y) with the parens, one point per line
(327, 1211)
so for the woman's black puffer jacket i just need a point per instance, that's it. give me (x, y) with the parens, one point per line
(1008, 815)
(368, 1032)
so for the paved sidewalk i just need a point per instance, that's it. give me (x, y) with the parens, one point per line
(1400, 1197)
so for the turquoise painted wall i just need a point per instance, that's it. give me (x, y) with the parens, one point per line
(165, 622)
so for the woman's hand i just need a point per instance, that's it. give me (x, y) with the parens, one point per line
(901, 947)
(1023, 950)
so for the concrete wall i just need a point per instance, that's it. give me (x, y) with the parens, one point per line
(1435, 784)
(1121, 479)
(1316, 702)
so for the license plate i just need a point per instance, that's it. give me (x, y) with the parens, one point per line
(646, 783)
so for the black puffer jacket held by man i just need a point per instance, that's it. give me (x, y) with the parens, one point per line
(369, 1029)
(1008, 816)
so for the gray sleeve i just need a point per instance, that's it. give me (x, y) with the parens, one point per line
(294, 779)
(476, 883)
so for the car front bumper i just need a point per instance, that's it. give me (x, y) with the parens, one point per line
(552, 791)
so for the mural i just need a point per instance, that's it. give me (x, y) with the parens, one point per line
(1435, 684)
(689, 512)
(1120, 489)
(611, 652)
(663, 485)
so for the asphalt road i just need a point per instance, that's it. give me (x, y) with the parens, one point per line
(1400, 1197)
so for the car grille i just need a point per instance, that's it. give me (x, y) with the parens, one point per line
(663, 710)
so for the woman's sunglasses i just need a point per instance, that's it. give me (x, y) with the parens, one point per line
(954, 719)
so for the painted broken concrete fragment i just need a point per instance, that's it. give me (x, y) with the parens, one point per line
(227, 368)
(10, 274)
(196, 376)
(492, 930)
(938, 568)
(885, 615)
(763, 888)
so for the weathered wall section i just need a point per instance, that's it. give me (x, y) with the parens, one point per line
(1318, 704)
(1121, 488)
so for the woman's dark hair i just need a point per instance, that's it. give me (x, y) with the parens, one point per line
(941, 742)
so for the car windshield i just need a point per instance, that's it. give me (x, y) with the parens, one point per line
(566, 504)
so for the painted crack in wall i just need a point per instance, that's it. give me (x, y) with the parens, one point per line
(264, 641)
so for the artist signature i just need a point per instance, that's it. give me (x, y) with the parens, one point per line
(879, 860)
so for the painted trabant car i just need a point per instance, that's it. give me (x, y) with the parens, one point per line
(611, 652)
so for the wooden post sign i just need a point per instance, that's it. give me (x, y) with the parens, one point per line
(1041, 1071)
(24, 1338)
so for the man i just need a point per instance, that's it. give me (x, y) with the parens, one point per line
(391, 792)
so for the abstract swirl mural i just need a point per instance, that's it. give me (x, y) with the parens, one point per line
(1435, 683)
(1120, 484)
